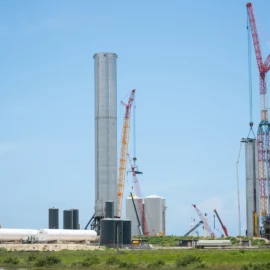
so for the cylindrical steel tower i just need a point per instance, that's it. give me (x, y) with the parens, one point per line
(105, 132)
(252, 189)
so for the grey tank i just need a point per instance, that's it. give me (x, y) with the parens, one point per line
(105, 131)
(111, 232)
(53, 218)
(252, 185)
(75, 219)
(68, 219)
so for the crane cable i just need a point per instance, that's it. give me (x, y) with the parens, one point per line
(238, 190)
(250, 79)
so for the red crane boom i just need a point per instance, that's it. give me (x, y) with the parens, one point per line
(263, 144)
(203, 219)
(221, 223)
(138, 193)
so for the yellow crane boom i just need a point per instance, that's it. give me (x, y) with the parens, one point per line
(123, 153)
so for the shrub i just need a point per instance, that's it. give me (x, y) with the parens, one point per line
(47, 261)
(158, 263)
(31, 258)
(129, 264)
(11, 260)
(41, 262)
(51, 260)
(201, 265)
(186, 260)
(89, 261)
(112, 261)
(262, 266)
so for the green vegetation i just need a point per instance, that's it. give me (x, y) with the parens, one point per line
(139, 259)
(172, 241)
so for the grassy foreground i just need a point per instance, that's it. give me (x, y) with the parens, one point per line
(138, 259)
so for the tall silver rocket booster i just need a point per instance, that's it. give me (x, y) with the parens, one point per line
(252, 188)
(105, 131)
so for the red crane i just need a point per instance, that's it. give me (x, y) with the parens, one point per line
(138, 193)
(263, 144)
(204, 220)
(221, 223)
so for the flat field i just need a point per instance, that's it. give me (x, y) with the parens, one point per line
(138, 259)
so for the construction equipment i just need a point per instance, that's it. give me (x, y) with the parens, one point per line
(135, 209)
(123, 153)
(221, 223)
(138, 193)
(204, 220)
(194, 228)
(263, 134)
(255, 222)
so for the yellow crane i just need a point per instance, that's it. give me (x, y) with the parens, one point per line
(123, 153)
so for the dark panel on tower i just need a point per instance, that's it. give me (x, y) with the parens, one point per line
(53, 218)
(76, 225)
(109, 209)
(126, 232)
(68, 219)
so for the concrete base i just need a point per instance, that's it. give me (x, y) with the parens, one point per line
(49, 247)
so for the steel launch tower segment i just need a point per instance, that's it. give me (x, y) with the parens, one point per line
(105, 132)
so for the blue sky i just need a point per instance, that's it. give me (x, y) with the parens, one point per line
(188, 63)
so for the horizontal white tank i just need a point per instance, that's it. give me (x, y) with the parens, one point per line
(17, 234)
(214, 243)
(66, 235)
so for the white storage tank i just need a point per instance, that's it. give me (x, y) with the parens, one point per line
(66, 235)
(154, 208)
(131, 215)
(17, 234)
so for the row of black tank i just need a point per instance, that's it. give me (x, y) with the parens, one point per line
(70, 219)
(114, 232)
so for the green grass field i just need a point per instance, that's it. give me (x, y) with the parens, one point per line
(138, 259)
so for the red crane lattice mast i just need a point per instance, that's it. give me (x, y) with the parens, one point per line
(203, 219)
(221, 223)
(263, 134)
(138, 193)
